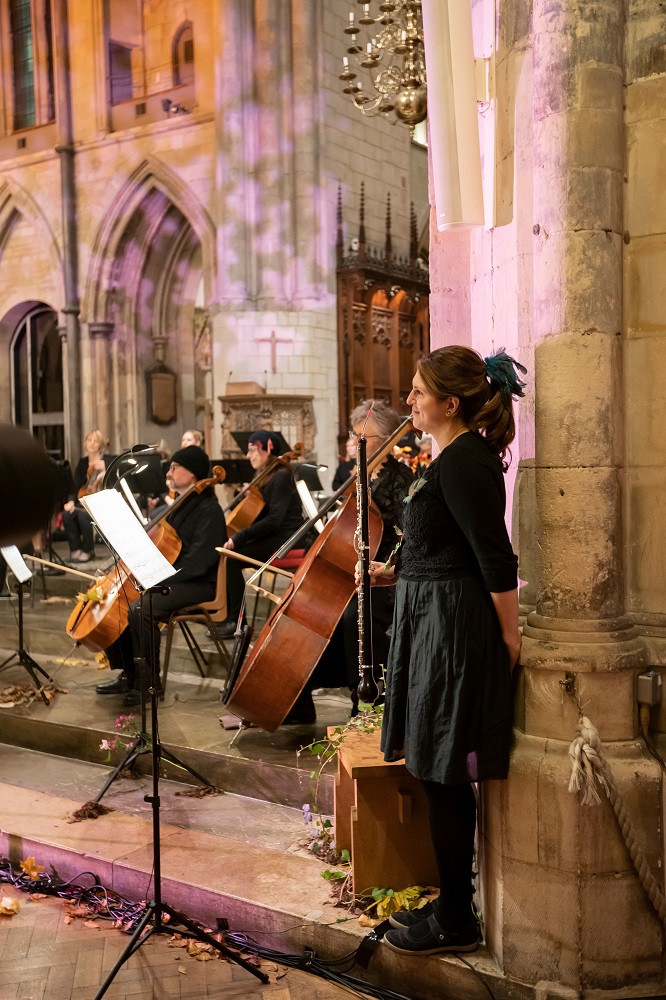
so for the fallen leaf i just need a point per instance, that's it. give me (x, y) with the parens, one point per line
(38, 895)
(182, 970)
(204, 956)
(9, 906)
(365, 921)
(69, 920)
(91, 923)
(31, 868)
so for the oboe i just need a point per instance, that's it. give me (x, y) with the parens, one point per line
(367, 689)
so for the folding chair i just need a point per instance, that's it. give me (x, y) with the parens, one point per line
(278, 567)
(207, 613)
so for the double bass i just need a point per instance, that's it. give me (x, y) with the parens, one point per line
(264, 688)
(101, 614)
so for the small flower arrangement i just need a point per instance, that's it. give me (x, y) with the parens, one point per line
(417, 485)
(127, 732)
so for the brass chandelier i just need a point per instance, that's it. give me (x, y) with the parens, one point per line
(392, 43)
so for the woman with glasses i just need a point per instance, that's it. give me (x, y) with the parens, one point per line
(281, 515)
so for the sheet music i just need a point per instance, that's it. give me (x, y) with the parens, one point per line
(16, 563)
(126, 536)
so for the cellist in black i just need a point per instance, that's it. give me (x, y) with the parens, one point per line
(200, 524)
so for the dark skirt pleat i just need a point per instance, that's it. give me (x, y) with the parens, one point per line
(449, 708)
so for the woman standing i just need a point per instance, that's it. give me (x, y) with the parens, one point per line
(455, 628)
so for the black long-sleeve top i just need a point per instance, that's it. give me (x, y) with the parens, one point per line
(199, 522)
(281, 515)
(389, 490)
(454, 523)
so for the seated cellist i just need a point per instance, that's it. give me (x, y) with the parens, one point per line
(281, 515)
(200, 525)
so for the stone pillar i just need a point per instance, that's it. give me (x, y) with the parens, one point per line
(100, 363)
(563, 900)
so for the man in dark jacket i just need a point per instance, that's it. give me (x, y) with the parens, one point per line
(200, 525)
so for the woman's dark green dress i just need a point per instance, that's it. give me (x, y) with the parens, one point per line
(448, 697)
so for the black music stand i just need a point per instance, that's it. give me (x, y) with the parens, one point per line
(153, 920)
(139, 744)
(21, 655)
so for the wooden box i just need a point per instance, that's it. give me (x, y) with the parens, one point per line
(381, 818)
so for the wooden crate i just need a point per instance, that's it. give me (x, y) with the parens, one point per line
(381, 818)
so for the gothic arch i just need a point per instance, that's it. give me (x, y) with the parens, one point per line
(17, 203)
(152, 175)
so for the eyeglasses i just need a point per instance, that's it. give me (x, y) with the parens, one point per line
(252, 447)
(372, 437)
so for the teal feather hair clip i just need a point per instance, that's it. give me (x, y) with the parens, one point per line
(501, 369)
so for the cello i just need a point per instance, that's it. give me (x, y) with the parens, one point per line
(246, 510)
(294, 637)
(101, 614)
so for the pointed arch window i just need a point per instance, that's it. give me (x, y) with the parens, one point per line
(37, 379)
(183, 55)
(32, 77)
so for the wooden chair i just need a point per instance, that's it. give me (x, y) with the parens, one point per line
(278, 567)
(207, 613)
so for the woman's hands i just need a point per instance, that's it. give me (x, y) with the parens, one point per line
(380, 576)
(69, 506)
(229, 544)
(506, 606)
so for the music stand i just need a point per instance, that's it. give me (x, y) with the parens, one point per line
(129, 552)
(22, 574)
(64, 489)
(145, 562)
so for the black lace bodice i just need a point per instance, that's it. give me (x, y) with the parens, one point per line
(454, 523)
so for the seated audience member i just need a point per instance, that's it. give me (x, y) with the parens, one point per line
(88, 478)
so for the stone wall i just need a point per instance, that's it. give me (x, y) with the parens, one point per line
(570, 279)
(249, 181)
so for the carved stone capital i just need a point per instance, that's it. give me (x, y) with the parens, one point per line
(100, 330)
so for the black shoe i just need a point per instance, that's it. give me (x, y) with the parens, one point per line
(407, 918)
(132, 697)
(225, 630)
(427, 938)
(118, 685)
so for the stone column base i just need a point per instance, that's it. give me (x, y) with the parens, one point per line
(562, 900)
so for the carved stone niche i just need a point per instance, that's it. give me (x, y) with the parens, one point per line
(293, 416)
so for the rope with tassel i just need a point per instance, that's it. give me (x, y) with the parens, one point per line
(590, 766)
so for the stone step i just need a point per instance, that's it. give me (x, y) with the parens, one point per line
(261, 765)
(223, 856)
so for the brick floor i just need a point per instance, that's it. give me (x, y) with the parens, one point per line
(44, 958)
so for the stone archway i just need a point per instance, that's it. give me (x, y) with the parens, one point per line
(149, 261)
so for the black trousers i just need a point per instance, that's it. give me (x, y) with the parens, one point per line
(262, 550)
(452, 821)
(79, 529)
(338, 666)
(135, 641)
